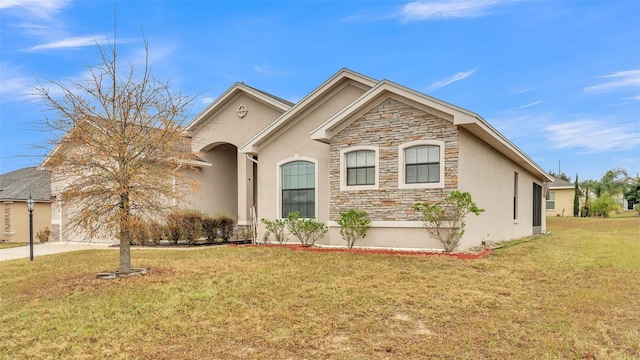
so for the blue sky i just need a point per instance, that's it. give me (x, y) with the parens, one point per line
(560, 79)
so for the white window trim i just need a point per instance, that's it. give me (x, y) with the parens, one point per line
(279, 182)
(343, 168)
(402, 166)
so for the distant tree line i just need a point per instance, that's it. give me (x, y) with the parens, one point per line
(602, 196)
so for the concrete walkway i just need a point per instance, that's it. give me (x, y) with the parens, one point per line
(22, 252)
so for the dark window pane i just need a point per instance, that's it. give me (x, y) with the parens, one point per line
(360, 167)
(298, 188)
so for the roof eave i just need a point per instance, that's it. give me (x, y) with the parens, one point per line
(252, 145)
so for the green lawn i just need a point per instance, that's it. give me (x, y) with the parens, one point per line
(573, 294)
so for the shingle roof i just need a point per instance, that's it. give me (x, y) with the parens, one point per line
(19, 184)
(271, 95)
(560, 183)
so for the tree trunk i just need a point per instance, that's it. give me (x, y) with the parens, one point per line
(125, 256)
(125, 235)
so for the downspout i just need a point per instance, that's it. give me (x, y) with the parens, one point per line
(173, 187)
(252, 159)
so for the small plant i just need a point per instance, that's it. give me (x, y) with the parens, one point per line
(277, 228)
(446, 222)
(353, 225)
(308, 231)
(43, 235)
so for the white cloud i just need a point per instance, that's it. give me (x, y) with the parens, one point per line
(207, 100)
(41, 9)
(267, 71)
(448, 9)
(14, 84)
(529, 105)
(449, 80)
(72, 42)
(594, 135)
(617, 80)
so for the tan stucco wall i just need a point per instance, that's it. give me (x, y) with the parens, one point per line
(218, 188)
(19, 220)
(293, 142)
(226, 187)
(489, 177)
(563, 200)
(225, 126)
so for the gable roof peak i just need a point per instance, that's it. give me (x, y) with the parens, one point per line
(239, 86)
(335, 80)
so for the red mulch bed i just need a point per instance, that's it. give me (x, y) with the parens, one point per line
(464, 256)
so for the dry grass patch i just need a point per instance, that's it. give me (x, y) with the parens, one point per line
(571, 294)
(8, 245)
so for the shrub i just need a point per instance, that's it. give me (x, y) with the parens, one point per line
(353, 225)
(138, 231)
(446, 222)
(603, 205)
(277, 228)
(192, 226)
(173, 227)
(154, 232)
(308, 231)
(211, 229)
(227, 225)
(184, 225)
(43, 235)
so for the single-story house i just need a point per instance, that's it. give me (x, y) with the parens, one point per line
(356, 142)
(15, 188)
(560, 197)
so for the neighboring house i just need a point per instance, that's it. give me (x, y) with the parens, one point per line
(560, 198)
(356, 142)
(15, 189)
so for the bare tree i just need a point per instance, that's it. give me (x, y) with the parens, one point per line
(119, 148)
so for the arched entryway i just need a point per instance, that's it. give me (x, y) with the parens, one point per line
(219, 182)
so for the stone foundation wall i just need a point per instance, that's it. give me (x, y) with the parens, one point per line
(387, 126)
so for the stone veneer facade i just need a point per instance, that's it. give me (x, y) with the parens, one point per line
(387, 126)
(7, 218)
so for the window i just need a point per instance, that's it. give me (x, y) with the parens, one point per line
(298, 182)
(515, 196)
(551, 201)
(359, 168)
(421, 165)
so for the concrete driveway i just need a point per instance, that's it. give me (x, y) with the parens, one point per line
(22, 252)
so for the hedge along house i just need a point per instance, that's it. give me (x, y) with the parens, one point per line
(355, 142)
